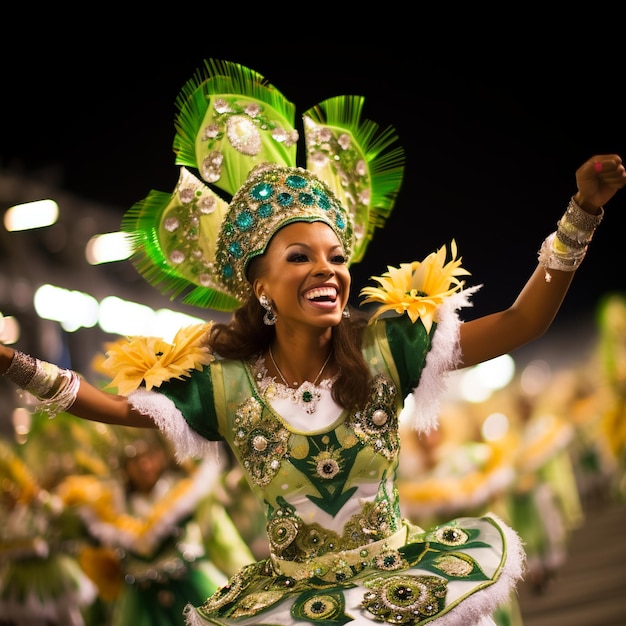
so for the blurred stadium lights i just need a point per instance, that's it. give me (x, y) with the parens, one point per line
(108, 247)
(9, 329)
(66, 284)
(29, 215)
(75, 310)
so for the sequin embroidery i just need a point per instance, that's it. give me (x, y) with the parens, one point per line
(377, 424)
(262, 442)
(404, 599)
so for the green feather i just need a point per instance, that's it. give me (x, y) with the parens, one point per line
(141, 223)
(239, 85)
(384, 156)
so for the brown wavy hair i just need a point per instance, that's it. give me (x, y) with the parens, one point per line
(247, 336)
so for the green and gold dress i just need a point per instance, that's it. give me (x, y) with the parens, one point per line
(340, 550)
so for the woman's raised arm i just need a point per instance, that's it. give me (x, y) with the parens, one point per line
(534, 309)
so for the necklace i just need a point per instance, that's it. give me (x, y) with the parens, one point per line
(306, 395)
(296, 384)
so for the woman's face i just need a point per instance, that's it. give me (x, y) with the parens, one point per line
(145, 469)
(304, 273)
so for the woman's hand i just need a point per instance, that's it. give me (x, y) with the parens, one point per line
(598, 179)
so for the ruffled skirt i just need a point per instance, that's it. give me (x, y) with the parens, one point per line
(456, 574)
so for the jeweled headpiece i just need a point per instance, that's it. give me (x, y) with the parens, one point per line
(273, 197)
(238, 133)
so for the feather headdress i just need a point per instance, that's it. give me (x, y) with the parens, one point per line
(237, 133)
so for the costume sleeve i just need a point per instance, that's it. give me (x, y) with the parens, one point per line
(193, 397)
(183, 410)
(421, 361)
(409, 344)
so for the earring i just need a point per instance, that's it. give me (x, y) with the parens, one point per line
(269, 319)
(346, 313)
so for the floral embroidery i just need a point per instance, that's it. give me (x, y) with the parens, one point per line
(321, 606)
(377, 424)
(457, 565)
(404, 599)
(327, 463)
(451, 535)
(253, 603)
(373, 523)
(230, 592)
(389, 560)
(282, 530)
(262, 442)
(292, 539)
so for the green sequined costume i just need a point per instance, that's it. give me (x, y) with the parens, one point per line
(340, 552)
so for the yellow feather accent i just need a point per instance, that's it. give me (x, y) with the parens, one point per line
(81, 491)
(417, 288)
(17, 482)
(150, 361)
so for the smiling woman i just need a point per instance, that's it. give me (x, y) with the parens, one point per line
(321, 455)
(461, 114)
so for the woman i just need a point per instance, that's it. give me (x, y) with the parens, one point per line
(157, 533)
(306, 392)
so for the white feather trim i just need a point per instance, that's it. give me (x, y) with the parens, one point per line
(473, 610)
(192, 618)
(170, 421)
(202, 483)
(421, 408)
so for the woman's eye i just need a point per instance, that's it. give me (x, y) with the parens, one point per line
(339, 258)
(297, 258)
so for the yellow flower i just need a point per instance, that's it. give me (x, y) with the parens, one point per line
(103, 567)
(81, 489)
(17, 482)
(417, 288)
(152, 361)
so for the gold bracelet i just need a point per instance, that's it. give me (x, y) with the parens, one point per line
(566, 248)
(54, 387)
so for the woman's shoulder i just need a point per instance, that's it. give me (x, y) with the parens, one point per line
(398, 331)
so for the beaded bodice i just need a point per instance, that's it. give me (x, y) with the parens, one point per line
(340, 552)
(326, 490)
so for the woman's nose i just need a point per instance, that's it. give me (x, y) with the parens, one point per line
(323, 268)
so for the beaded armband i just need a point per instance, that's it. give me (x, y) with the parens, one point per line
(566, 248)
(21, 369)
(54, 387)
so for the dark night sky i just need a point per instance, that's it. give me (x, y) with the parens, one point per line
(492, 142)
